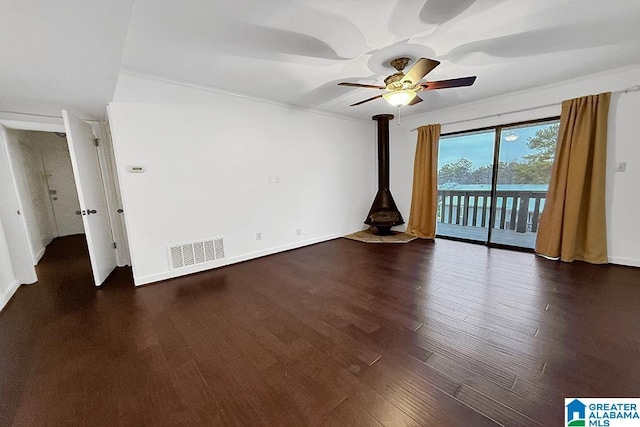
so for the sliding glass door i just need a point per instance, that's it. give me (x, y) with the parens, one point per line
(465, 171)
(492, 183)
(524, 168)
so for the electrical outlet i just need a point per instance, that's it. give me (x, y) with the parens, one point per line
(258, 235)
(621, 166)
(299, 231)
(276, 179)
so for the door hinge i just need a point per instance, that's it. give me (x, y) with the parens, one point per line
(96, 141)
(115, 246)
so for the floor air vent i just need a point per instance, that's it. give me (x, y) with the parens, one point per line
(186, 254)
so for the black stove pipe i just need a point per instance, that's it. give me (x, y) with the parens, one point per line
(383, 149)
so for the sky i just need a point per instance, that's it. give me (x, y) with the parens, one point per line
(478, 147)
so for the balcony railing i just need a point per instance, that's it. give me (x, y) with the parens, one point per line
(515, 210)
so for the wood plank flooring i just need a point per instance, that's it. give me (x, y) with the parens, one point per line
(340, 333)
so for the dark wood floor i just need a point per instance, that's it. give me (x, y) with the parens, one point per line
(339, 333)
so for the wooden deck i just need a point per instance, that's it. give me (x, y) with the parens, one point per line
(502, 237)
(341, 333)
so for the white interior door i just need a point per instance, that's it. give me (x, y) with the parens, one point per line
(93, 203)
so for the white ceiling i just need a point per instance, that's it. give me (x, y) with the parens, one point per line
(57, 54)
(67, 53)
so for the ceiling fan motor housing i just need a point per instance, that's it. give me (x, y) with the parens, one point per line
(396, 81)
(393, 78)
(400, 63)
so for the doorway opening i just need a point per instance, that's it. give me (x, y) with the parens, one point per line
(54, 178)
(47, 195)
(492, 182)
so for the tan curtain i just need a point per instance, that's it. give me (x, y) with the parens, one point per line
(572, 225)
(424, 199)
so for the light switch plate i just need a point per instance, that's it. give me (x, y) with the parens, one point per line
(135, 169)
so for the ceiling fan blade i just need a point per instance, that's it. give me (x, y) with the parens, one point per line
(415, 100)
(444, 84)
(420, 69)
(366, 100)
(360, 85)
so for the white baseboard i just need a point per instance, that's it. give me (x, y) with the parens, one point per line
(145, 280)
(38, 256)
(8, 293)
(624, 261)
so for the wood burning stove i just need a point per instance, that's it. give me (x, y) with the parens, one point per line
(384, 213)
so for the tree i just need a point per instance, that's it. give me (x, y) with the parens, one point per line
(460, 172)
(453, 174)
(545, 141)
(482, 175)
(536, 168)
(506, 172)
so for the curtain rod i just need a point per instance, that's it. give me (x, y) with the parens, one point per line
(635, 88)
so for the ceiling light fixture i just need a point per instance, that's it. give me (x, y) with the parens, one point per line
(511, 136)
(398, 98)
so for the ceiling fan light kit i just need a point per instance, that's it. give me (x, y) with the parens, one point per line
(400, 97)
(402, 88)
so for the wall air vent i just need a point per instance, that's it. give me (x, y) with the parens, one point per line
(187, 254)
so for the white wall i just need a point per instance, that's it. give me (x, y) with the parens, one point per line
(623, 203)
(624, 128)
(8, 281)
(28, 169)
(208, 157)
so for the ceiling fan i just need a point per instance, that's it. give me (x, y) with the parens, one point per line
(401, 89)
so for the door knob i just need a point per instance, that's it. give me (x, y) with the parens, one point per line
(78, 213)
(91, 211)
